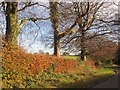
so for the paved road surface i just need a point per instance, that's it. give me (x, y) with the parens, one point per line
(113, 82)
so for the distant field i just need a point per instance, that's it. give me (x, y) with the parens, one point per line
(72, 57)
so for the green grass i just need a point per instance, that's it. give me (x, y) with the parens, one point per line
(67, 80)
(72, 57)
(71, 80)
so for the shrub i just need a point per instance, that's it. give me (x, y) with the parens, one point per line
(18, 66)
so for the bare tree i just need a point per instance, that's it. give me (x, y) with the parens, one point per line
(11, 22)
(97, 22)
(11, 12)
(58, 34)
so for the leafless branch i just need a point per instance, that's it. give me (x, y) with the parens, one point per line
(28, 5)
(31, 19)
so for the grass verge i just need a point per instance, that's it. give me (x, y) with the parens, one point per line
(25, 70)
(72, 57)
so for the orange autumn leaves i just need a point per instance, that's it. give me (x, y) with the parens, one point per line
(20, 61)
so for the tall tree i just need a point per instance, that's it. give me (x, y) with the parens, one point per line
(55, 24)
(11, 23)
(59, 34)
(95, 21)
(83, 25)
(54, 14)
(11, 16)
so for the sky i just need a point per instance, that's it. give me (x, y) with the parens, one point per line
(35, 39)
(32, 40)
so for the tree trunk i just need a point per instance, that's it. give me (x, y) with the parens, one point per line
(117, 56)
(83, 51)
(55, 24)
(11, 23)
(56, 47)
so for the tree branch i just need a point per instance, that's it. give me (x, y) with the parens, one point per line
(115, 21)
(31, 19)
(89, 23)
(43, 6)
(69, 31)
(98, 35)
(29, 5)
(87, 11)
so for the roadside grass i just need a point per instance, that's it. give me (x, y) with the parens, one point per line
(88, 80)
(72, 57)
(67, 80)
(84, 78)
(23, 70)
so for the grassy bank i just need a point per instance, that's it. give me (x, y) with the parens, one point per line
(24, 70)
(72, 57)
(69, 80)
